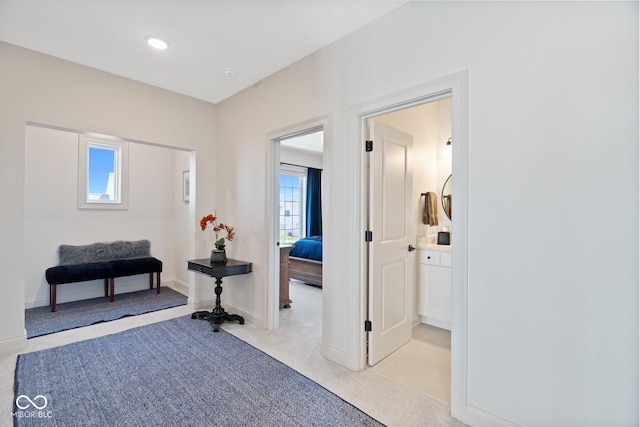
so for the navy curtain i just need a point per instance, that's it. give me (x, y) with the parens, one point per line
(314, 202)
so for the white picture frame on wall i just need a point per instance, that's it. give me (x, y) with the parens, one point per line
(185, 186)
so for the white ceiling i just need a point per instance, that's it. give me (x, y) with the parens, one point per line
(310, 142)
(254, 37)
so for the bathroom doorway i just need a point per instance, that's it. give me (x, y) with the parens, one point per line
(424, 362)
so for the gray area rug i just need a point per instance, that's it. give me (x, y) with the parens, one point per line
(172, 373)
(41, 321)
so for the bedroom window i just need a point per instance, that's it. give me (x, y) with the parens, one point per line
(292, 188)
(102, 174)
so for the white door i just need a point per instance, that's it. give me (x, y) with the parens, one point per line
(390, 220)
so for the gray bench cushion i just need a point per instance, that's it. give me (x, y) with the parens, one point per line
(100, 252)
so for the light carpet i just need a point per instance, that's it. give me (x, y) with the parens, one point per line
(172, 373)
(41, 321)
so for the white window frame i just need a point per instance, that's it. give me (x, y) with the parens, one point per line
(301, 172)
(121, 173)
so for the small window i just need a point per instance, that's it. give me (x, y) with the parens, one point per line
(103, 174)
(292, 196)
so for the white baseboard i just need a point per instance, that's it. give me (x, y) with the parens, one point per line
(203, 304)
(177, 285)
(249, 316)
(436, 322)
(13, 344)
(479, 417)
(96, 290)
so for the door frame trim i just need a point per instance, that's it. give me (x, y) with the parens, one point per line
(455, 86)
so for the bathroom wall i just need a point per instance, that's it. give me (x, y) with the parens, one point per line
(430, 125)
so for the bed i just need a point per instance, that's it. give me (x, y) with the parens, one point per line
(305, 260)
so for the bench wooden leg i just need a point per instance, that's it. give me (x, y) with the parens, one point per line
(52, 297)
(112, 285)
(106, 287)
(157, 281)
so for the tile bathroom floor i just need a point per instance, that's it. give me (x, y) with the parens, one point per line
(424, 364)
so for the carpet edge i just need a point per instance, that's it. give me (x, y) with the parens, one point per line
(108, 320)
(305, 376)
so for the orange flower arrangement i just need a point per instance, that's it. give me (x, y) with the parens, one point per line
(217, 228)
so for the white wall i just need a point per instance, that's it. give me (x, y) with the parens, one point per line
(430, 125)
(300, 158)
(553, 136)
(41, 89)
(52, 216)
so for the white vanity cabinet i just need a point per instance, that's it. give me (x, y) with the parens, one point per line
(435, 285)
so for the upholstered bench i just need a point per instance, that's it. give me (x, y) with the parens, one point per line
(104, 261)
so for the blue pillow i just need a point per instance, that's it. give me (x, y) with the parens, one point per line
(310, 248)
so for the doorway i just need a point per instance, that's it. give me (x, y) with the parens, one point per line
(455, 87)
(296, 191)
(416, 352)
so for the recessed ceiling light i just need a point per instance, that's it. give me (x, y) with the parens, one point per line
(156, 42)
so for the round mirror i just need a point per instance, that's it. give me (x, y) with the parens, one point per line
(446, 197)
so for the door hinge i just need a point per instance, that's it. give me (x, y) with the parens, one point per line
(368, 146)
(368, 236)
(367, 325)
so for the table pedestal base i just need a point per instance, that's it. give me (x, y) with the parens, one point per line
(216, 319)
(217, 316)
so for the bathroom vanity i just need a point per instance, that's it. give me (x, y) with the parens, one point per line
(435, 285)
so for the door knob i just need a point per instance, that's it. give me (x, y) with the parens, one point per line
(411, 248)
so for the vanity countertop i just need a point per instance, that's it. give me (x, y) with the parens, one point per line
(444, 248)
(422, 244)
